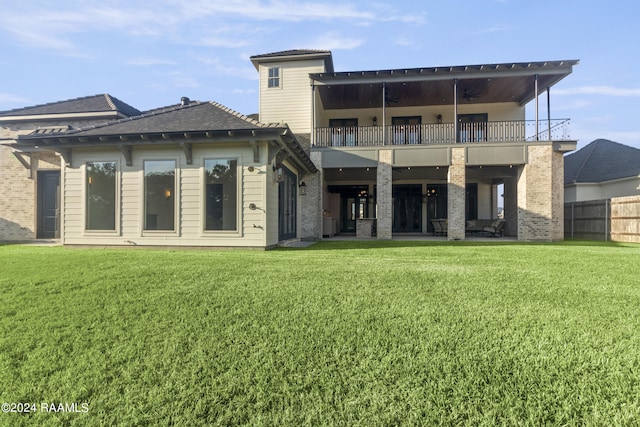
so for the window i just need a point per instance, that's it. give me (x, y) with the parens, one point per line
(159, 194)
(101, 196)
(274, 77)
(221, 194)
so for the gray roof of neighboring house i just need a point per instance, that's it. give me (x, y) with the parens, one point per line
(87, 104)
(601, 160)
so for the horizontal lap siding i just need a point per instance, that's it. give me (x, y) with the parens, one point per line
(189, 189)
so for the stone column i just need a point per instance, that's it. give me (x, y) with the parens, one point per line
(311, 228)
(456, 194)
(540, 195)
(384, 194)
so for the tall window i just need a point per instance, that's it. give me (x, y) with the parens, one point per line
(221, 198)
(101, 196)
(274, 77)
(159, 194)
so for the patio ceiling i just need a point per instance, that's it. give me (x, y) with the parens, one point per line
(435, 86)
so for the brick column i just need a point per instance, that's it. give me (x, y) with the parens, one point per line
(456, 194)
(311, 227)
(384, 194)
(540, 195)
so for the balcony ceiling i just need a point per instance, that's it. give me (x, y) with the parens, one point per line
(435, 86)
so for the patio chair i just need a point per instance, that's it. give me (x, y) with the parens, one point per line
(496, 228)
(439, 227)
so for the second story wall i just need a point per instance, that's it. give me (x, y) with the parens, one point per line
(506, 111)
(290, 101)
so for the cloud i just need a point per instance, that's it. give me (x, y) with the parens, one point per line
(334, 41)
(37, 24)
(147, 62)
(599, 90)
(10, 99)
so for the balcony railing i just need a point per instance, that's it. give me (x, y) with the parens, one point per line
(444, 133)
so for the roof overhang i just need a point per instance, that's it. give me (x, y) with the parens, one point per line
(281, 136)
(294, 55)
(63, 116)
(489, 83)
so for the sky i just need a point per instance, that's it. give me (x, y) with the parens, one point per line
(150, 53)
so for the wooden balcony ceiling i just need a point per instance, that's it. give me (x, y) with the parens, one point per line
(434, 86)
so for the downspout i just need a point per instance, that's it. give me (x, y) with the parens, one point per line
(313, 114)
(537, 119)
(549, 112)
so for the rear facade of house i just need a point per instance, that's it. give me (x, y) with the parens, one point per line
(378, 154)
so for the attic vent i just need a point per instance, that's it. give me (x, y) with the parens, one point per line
(48, 130)
(184, 100)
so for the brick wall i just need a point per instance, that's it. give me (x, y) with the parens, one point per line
(311, 227)
(384, 196)
(456, 194)
(540, 195)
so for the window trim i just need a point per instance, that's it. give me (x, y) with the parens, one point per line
(238, 232)
(176, 199)
(277, 78)
(118, 198)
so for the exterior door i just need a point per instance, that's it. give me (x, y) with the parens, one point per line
(407, 208)
(406, 130)
(48, 205)
(287, 205)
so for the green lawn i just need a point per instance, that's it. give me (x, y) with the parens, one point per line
(341, 333)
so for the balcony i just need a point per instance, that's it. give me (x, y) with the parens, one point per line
(444, 133)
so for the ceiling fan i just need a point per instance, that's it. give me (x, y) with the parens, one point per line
(470, 95)
(389, 100)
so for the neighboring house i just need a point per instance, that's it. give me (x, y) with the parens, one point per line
(602, 169)
(388, 151)
(30, 205)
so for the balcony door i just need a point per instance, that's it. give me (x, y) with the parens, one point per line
(472, 127)
(406, 130)
(344, 132)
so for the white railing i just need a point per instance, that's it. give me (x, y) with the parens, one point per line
(443, 133)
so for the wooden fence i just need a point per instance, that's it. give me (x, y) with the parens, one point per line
(616, 219)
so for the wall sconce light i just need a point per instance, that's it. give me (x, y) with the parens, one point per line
(303, 188)
(167, 193)
(439, 117)
(279, 174)
(375, 121)
(90, 180)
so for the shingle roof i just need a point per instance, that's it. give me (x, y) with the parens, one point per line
(193, 117)
(294, 53)
(601, 160)
(207, 121)
(87, 104)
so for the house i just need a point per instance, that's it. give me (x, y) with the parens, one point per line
(381, 153)
(602, 169)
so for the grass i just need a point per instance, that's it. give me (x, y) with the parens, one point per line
(342, 333)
